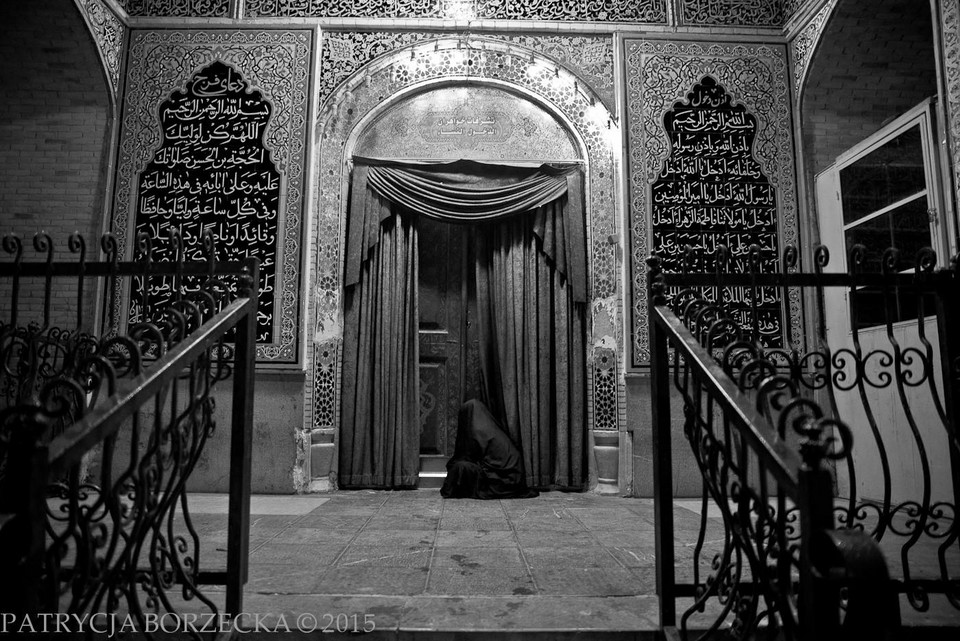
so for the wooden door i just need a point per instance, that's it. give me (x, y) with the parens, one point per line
(443, 296)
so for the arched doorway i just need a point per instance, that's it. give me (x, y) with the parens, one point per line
(485, 255)
(479, 122)
(367, 96)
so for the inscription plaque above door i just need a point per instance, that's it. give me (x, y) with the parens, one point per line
(467, 121)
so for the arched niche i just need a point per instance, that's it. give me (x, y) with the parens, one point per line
(874, 60)
(57, 115)
(368, 97)
(467, 121)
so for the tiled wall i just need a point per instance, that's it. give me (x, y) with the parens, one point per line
(277, 63)
(418, 62)
(660, 73)
(749, 13)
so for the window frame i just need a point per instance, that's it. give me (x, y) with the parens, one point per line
(923, 116)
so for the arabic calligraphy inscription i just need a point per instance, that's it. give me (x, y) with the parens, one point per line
(214, 172)
(491, 126)
(712, 192)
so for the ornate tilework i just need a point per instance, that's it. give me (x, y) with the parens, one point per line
(660, 73)
(748, 13)
(805, 44)
(641, 11)
(178, 8)
(429, 64)
(108, 33)
(590, 57)
(605, 397)
(793, 7)
(325, 385)
(276, 63)
(950, 13)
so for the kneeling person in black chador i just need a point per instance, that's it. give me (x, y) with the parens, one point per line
(485, 464)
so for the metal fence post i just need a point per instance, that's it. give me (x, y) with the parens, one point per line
(238, 527)
(819, 598)
(948, 317)
(22, 536)
(662, 454)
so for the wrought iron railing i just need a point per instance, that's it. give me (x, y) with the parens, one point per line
(798, 509)
(99, 432)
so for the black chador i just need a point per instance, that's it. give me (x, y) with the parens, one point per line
(485, 464)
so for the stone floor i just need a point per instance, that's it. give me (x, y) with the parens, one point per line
(560, 566)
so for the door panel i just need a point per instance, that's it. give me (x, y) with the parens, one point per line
(441, 299)
(882, 193)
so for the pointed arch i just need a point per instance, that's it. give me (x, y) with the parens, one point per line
(448, 61)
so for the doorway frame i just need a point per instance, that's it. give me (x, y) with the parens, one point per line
(449, 61)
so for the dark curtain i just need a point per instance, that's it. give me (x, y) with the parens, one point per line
(532, 272)
(467, 191)
(380, 434)
(533, 356)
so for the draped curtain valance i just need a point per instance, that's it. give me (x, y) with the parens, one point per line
(466, 191)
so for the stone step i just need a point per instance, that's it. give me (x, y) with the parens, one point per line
(433, 463)
(461, 618)
(433, 471)
(462, 635)
(431, 480)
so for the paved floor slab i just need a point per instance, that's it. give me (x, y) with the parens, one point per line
(554, 568)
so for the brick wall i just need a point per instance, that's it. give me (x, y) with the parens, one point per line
(875, 61)
(53, 128)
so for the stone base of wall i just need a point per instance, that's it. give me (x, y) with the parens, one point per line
(686, 477)
(277, 416)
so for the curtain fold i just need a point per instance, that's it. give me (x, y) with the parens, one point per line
(471, 192)
(380, 426)
(531, 296)
(533, 354)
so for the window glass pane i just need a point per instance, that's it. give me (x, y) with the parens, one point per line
(907, 228)
(870, 306)
(885, 176)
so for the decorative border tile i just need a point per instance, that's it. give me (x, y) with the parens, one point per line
(277, 63)
(746, 13)
(590, 57)
(792, 7)
(178, 8)
(805, 44)
(661, 72)
(950, 12)
(428, 64)
(614, 11)
(108, 32)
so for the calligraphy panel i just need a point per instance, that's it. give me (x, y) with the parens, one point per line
(212, 171)
(178, 8)
(710, 193)
(634, 11)
(747, 13)
(475, 122)
(660, 73)
(274, 65)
